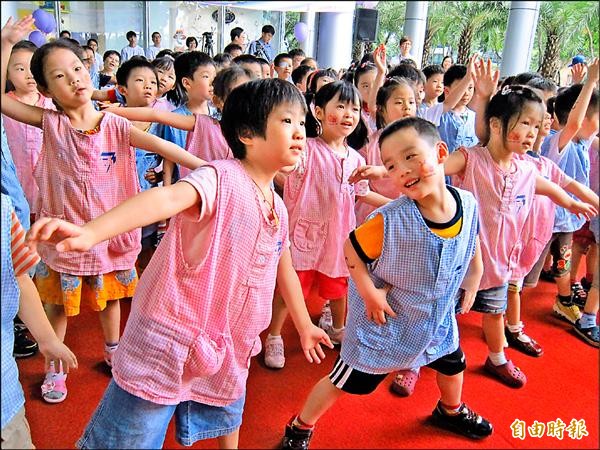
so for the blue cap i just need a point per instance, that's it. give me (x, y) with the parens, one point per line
(579, 59)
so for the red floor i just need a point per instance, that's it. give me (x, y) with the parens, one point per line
(562, 384)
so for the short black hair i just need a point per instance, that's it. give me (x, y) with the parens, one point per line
(296, 52)
(108, 53)
(299, 73)
(92, 40)
(236, 32)
(130, 34)
(67, 32)
(433, 69)
(231, 47)
(425, 129)
(307, 60)
(566, 99)
(185, 66)
(191, 39)
(245, 59)
(263, 61)
(24, 45)
(227, 77)
(408, 71)
(268, 29)
(165, 52)
(543, 84)
(221, 59)
(155, 32)
(124, 71)
(525, 77)
(279, 57)
(39, 57)
(454, 72)
(247, 109)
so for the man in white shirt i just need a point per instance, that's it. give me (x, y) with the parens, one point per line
(132, 49)
(405, 46)
(239, 37)
(152, 51)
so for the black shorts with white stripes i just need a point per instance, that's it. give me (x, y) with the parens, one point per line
(354, 381)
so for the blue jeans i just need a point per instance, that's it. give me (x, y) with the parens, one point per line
(123, 420)
(491, 301)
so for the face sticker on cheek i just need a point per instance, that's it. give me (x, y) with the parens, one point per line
(512, 136)
(427, 169)
(332, 119)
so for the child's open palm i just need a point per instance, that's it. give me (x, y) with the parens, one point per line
(486, 79)
(13, 32)
(379, 56)
(578, 72)
(584, 209)
(593, 71)
(311, 339)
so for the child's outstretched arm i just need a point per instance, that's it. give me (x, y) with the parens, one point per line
(166, 149)
(580, 107)
(311, 336)
(11, 33)
(582, 192)
(470, 284)
(375, 299)
(486, 82)
(375, 199)
(455, 163)
(452, 99)
(379, 56)
(147, 114)
(560, 197)
(145, 208)
(31, 312)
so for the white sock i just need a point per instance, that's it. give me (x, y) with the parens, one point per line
(269, 336)
(498, 358)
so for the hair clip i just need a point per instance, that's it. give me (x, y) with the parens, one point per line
(506, 90)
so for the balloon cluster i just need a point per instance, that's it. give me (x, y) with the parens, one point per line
(45, 23)
(301, 31)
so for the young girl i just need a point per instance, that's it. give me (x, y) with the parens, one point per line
(364, 80)
(197, 314)
(86, 166)
(320, 202)
(165, 70)
(25, 141)
(504, 187)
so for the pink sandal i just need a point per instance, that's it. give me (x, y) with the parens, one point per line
(404, 382)
(54, 388)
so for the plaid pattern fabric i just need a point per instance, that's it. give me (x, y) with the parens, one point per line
(505, 199)
(320, 202)
(206, 141)
(194, 325)
(81, 177)
(425, 272)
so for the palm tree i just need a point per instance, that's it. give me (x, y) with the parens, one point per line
(436, 19)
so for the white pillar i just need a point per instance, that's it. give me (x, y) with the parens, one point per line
(520, 34)
(8, 9)
(309, 43)
(334, 44)
(415, 23)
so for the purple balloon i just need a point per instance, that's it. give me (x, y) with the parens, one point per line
(44, 21)
(301, 31)
(37, 37)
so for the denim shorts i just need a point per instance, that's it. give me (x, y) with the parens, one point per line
(491, 301)
(123, 420)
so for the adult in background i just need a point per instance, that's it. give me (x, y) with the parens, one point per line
(239, 37)
(153, 50)
(64, 34)
(405, 46)
(261, 48)
(132, 49)
(98, 62)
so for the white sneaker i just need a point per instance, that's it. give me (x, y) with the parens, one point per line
(326, 319)
(274, 352)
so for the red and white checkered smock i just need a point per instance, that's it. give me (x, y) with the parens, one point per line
(206, 141)
(195, 319)
(80, 177)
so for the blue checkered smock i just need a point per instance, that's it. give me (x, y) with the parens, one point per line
(425, 272)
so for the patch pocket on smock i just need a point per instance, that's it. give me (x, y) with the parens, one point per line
(309, 235)
(205, 356)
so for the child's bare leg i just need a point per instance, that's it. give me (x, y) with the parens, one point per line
(493, 330)
(513, 307)
(563, 284)
(230, 440)
(321, 398)
(279, 315)
(338, 311)
(58, 319)
(578, 250)
(450, 389)
(110, 320)
(591, 261)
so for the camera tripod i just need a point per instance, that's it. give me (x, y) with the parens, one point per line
(207, 43)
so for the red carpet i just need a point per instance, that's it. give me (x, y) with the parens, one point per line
(562, 384)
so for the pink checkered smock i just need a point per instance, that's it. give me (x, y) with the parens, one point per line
(320, 202)
(195, 319)
(372, 154)
(206, 141)
(537, 230)
(80, 177)
(25, 143)
(505, 199)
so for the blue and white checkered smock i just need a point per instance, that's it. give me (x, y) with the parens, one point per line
(12, 393)
(425, 272)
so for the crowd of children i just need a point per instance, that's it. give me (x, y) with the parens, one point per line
(407, 197)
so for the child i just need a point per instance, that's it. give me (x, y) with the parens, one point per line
(197, 314)
(320, 202)
(282, 65)
(165, 70)
(387, 304)
(434, 87)
(454, 119)
(299, 77)
(504, 187)
(86, 166)
(576, 110)
(25, 141)
(364, 80)
(19, 294)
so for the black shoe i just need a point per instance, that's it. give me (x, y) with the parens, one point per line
(578, 295)
(24, 346)
(585, 284)
(547, 275)
(467, 422)
(296, 438)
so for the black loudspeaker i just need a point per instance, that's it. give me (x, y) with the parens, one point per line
(366, 24)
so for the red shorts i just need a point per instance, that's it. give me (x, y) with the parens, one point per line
(328, 288)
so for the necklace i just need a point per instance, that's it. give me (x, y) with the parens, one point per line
(271, 205)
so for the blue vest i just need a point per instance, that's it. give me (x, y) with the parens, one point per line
(12, 393)
(11, 185)
(425, 272)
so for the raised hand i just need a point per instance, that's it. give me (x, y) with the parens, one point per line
(13, 32)
(379, 56)
(578, 72)
(486, 79)
(593, 71)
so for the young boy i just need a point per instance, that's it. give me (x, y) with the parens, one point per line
(282, 65)
(576, 111)
(454, 119)
(434, 87)
(387, 305)
(19, 294)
